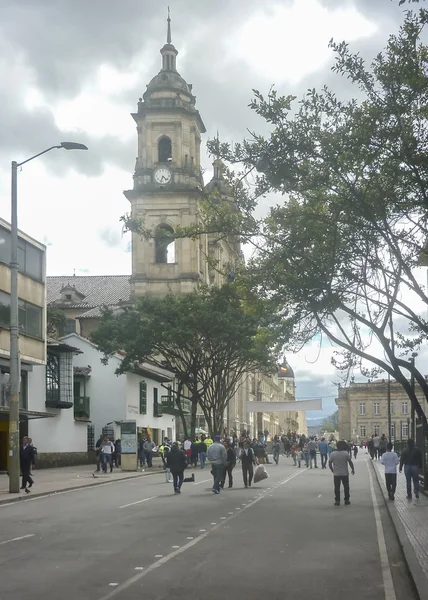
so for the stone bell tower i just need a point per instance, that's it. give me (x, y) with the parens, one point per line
(167, 183)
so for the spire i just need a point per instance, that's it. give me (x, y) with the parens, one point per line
(169, 53)
(168, 35)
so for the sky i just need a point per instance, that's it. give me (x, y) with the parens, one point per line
(73, 71)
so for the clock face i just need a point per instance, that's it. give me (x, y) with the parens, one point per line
(162, 175)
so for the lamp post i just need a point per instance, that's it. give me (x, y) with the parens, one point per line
(14, 466)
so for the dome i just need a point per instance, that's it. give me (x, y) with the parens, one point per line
(285, 370)
(168, 81)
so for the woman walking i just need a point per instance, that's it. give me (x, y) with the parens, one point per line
(230, 464)
(176, 462)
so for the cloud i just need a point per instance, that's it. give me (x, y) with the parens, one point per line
(111, 237)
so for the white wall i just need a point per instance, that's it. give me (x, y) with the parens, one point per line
(59, 434)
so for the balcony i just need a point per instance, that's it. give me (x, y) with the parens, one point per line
(170, 407)
(82, 408)
(55, 400)
(157, 409)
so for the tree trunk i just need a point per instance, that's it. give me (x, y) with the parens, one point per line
(180, 408)
(194, 406)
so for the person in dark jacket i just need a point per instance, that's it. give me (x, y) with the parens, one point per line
(117, 456)
(411, 458)
(27, 460)
(230, 463)
(202, 448)
(194, 453)
(248, 459)
(176, 462)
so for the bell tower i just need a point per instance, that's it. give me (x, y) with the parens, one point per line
(167, 183)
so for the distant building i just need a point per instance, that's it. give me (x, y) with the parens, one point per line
(363, 410)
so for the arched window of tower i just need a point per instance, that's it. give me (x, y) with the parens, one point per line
(164, 149)
(164, 245)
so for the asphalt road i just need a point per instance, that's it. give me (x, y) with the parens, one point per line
(283, 537)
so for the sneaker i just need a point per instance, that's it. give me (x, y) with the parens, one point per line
(337, 503)
(347, 502)
(417, 496)
(392, 497)
(246, 486)
(409, 497)
(214, 491)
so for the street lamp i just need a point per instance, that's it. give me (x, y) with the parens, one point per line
(14, 467)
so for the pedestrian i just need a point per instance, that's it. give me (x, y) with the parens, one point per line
(27, 459)
(411, 458)
(338, 463)
(141, 453)
(294, 451)
(107, 450)
(323, 448)
(176, 462)
(98, 456)
(305, 451)
(376, 446)
(355, 451)
(299, 458)
(312, 449)
(248, 459)
(390, 460)
(230, 464)
(202, 452)
(117, 453)
(194, 453)
(276, 449)
(370, 447)
(187, 445)
(383, 444)
(217, 456)
(148, 448)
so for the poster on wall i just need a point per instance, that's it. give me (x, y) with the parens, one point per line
(128, 437)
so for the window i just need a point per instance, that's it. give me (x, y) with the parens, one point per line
(362, 431)
(157, 407)
(404, 430)
(143, 398)
(362, 408)
(404, 408)
(377, 430)
(164, 245)
(5, 389)
(376, 408)
(29, 315)
(392, 408)
(164, 150)
(393, 431)
(52, 379)
(30, 259)
(68, 327)
(81, 404)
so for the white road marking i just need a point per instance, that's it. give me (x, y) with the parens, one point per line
(113, 584)
(190, 538)
(176, 546)
(158, 555)
(129, 582)
(230, 513)
(23, 537)
(222, 518)
(213, 523)
(319, 495)
(138, 502)
(139, 568)
(238, 508)
(388, 584)
(202, 530)
(204, 481)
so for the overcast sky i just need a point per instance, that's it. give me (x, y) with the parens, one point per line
(73, 70)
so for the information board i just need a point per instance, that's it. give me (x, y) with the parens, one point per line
(128, 437)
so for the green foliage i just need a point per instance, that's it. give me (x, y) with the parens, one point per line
(331, 423)
(207, 338)
(337, 257)
(55, 319)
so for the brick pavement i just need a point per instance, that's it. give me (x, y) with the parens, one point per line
(49, 481)
(413, 515)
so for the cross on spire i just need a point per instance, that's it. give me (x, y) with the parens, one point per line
(168, 35)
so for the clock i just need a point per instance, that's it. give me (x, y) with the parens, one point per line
(162, 175)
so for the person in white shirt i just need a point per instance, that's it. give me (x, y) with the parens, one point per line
(187, 449)
(390, 460)
(107, 449)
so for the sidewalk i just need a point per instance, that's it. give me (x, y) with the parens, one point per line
(410, 518)
(51, 481)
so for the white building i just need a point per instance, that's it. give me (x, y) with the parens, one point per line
(105, 399)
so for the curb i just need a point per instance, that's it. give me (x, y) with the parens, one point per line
(415, 570)
(74, 487)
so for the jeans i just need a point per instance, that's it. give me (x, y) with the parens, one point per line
(107, 458)
(324, 461)
(99, 460)
(227, 471)
(247, 474)
(391, 483)
(218, 471)
(313, 455)
(177, 479)
(306, 457)
(149, 458)
(338, 479)
(202, 458)
(142, 457)
(412, 472)
(276, 457)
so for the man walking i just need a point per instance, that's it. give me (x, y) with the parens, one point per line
(176, 462)
(148, 447)
(376, 446)
(217, 456)
(248, 459)
(312, 449)
(98, 452)
(323, 448)
(26, 456)
(411, 458)
(390, 460)
(107, 450)
(338, 463)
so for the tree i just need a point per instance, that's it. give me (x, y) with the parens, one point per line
(331, 423)
(208, 338)
(338, 256)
